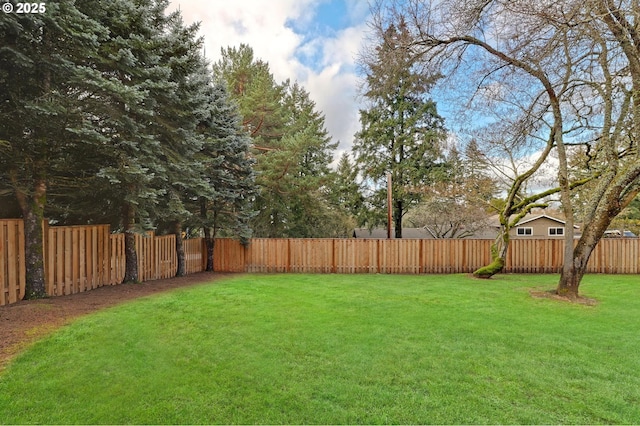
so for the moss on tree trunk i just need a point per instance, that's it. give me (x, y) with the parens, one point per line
(498, 256)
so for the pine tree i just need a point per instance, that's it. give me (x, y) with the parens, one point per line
(290, 144)
(44, 74)
(226, 203)
(401, 130)
(125, 141)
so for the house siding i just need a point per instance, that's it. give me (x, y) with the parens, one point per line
(540, 229)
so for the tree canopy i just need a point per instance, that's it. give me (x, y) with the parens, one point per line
(112, 116)
(291, 148)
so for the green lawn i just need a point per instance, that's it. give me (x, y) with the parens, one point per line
(342, 349)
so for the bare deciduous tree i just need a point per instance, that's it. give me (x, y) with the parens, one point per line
(568, 71)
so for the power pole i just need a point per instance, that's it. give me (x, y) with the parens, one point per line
(389, 205)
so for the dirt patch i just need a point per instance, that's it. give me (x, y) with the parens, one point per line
(24, 322)
(552, 294)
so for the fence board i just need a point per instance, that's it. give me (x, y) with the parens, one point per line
(12, 261)
(117, 259)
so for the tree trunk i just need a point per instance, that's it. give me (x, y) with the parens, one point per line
(570, 282)
(208, 234)
(574, 269)
(33, 215)
(182, 264)
(498, 256)
(131, 256)
(397, 218)
(209, 244)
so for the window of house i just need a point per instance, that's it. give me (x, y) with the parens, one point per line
(556, 231)
(524, 231)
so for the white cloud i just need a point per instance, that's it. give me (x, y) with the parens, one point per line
(329, 75)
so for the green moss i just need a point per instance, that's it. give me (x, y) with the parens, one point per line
(491, 269)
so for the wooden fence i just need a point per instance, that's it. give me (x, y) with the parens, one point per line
(157, 257)
(442, 256)
(76, 258)
(81, 258)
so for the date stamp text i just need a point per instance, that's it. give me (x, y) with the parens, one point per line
(24, 8)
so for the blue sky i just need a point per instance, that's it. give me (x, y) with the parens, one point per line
(314, 42)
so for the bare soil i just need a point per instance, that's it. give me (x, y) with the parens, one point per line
(27, 321)
(552, 294)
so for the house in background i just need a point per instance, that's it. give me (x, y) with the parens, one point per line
(541, 226)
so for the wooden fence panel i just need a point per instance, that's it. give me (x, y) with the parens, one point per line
(194, 255)
(268, 255)
(228, 256)
(356, 256)
(144, 252)
(615, 256)
(310, 256)
(399, 256)
(166, 261)
(76, 258)
(157, 257)
(436, 258)
(12, 261)
(529, 256)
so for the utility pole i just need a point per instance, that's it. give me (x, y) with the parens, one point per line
(389, 205)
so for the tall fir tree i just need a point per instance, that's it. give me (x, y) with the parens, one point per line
(178, 111)
(226, 204)
(45, 72)
(290, 144)
(401, 131)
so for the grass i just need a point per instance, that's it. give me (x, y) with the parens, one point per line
(337, 349)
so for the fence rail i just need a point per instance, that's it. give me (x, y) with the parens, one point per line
(81, 258)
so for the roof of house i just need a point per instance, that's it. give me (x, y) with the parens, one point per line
(531, 218)
(489, 232)
(416, 233)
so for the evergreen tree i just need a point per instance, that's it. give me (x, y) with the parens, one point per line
(226, 204)
(401, 130)
(44, 74)
(177, 113)
(253, 87)
(128, 162)
(290, 144)
(346, 192)
(293, 177)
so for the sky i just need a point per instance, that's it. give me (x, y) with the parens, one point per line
(313, 42)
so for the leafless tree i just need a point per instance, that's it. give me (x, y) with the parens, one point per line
(566, 73)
